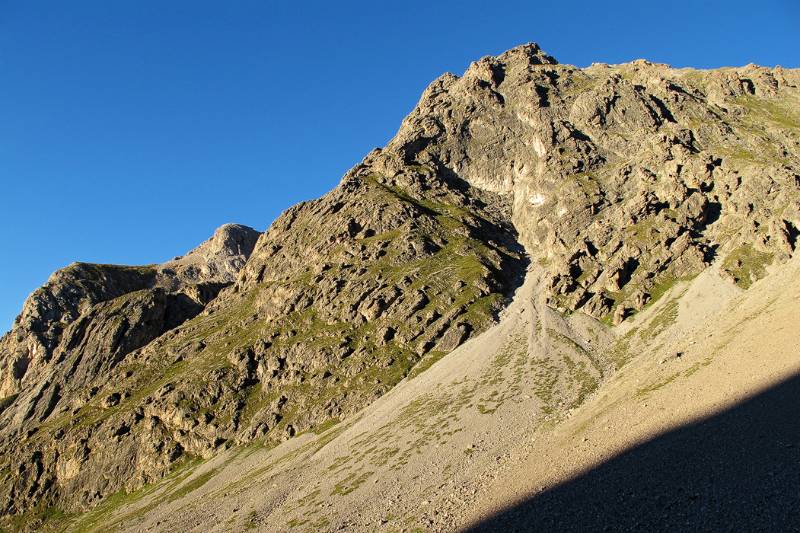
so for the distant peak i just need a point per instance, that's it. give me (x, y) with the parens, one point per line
(228, 240)
(231, 239)
(493, 68)
(234, 230)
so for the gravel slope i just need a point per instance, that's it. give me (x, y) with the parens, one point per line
(707, 441)
(470, 444)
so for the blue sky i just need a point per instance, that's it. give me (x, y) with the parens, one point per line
(130, 129)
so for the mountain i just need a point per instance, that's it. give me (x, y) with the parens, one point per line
(488, 264)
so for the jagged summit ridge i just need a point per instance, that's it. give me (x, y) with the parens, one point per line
(623, 177)
(528, 53)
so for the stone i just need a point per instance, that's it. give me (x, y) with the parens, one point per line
(452, 338)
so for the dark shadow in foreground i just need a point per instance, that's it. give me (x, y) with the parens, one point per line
(735, 471)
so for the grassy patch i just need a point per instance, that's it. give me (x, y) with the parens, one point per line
(586, 382)
(40, 518)
(544, 388)
(350, 483)
(644, 391)
(620, 352)
(746, 265)
(192, 485)
(251, 522)
(660, 322)
(325, 426)
(777, 112)
(697, 366)
(426, 362)
(101, 518)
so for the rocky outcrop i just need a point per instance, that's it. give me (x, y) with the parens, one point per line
(71, 338)
(339, 299)
(29, 347)
(624, 178)
(217, 260)
(614, 181)
(65, 314)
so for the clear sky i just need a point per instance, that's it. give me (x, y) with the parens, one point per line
(130, 129)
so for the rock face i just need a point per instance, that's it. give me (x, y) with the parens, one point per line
(65, 314)
(75, 330)
(623, 177)
(339, 299)
(217, 260)
(613, 180)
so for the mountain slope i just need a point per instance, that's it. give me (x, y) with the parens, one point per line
(488, 425)
(339, 299)
(612, 185)
(674, 440)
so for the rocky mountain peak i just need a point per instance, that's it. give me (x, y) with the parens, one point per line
(608, 184)
(228, 240)
(623, 177)
(218, 259)
(528, 53)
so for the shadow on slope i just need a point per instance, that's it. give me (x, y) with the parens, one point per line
(736, 471)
